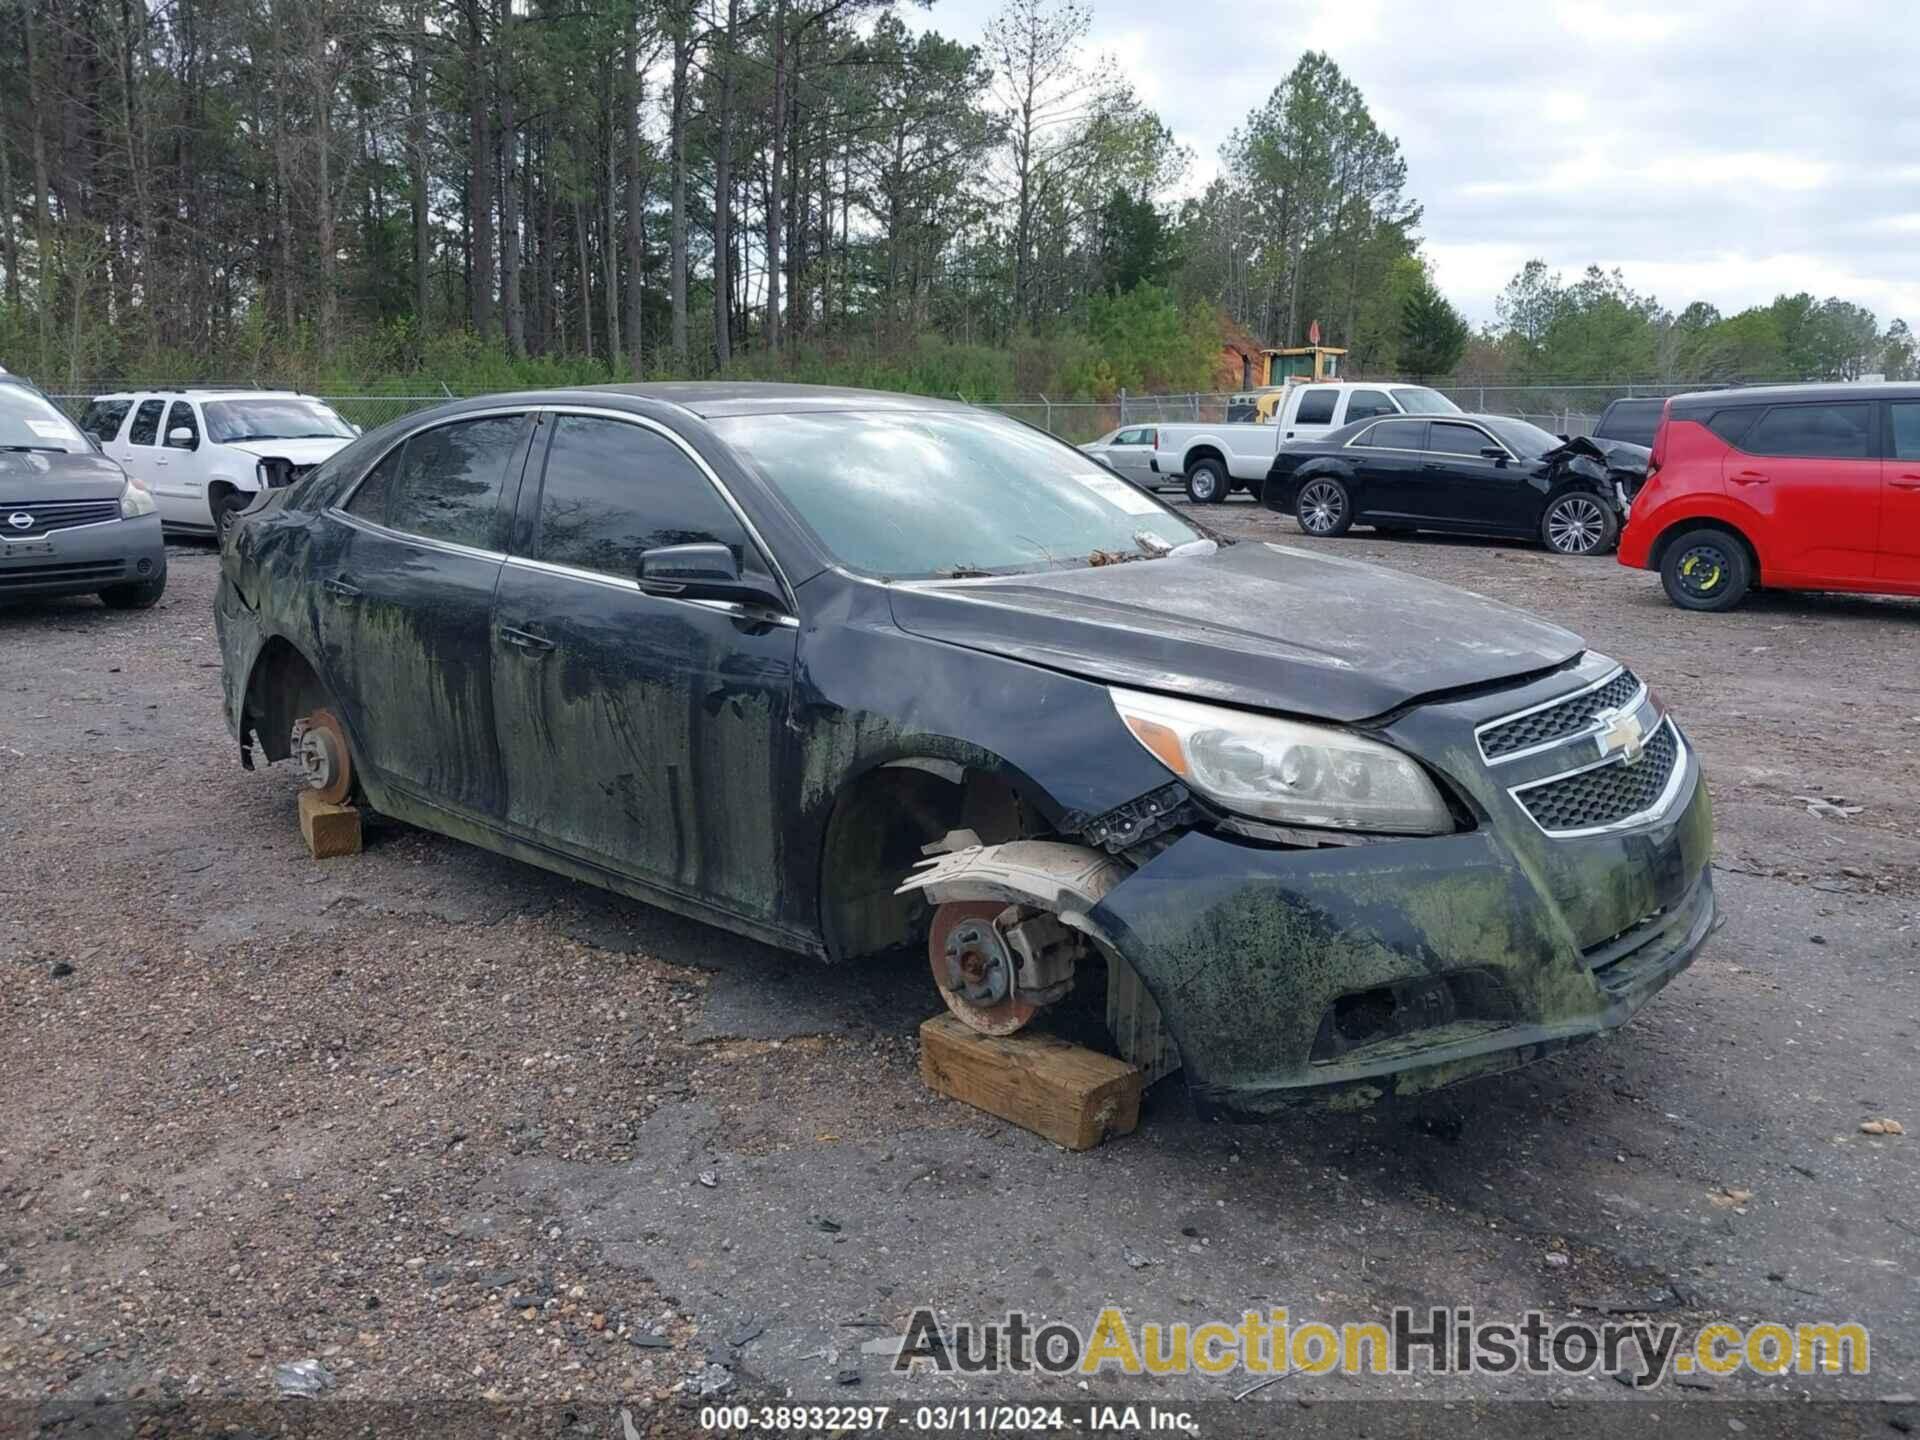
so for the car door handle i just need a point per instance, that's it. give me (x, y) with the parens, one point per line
(340, 588)
(524, 640)
(1747, 477)
(1905, 482)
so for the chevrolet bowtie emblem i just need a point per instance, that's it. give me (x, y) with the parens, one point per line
(1622, 735)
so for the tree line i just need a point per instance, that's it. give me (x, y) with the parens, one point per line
(549, 189)
(492, 192)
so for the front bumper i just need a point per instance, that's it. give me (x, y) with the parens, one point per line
(1348, 974)
(85, 559)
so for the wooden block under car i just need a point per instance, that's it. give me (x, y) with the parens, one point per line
(328, 829)
(1064, 1092)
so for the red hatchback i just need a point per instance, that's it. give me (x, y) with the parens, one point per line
(1794, 487)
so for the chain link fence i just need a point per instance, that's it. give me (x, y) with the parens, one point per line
(1562, 409)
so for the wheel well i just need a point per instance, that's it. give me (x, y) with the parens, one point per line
(281, 688)
(1657, 556)
(1202, 452)
(881, 824)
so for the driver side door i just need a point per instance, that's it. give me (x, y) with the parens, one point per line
(642, 734)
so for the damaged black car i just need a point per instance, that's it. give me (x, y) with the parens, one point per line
(1468, 474)
(856, 673)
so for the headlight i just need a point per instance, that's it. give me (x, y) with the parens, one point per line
(134, 502)
(1281, 770)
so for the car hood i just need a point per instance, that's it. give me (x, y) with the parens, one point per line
(1260, 625)
(300, 452)
(27, 475)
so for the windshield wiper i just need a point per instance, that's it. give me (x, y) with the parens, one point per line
(37, 449)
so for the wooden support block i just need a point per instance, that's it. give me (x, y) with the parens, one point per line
(329, 830)
(1064, 1092)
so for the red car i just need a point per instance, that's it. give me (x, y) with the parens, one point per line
(1794, 487)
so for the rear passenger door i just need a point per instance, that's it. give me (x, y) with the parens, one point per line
(1900, 496)
(1388, 459)
(404, 606)
(1811, 473)
(139, 455)
(1129, 453)
(644, 734)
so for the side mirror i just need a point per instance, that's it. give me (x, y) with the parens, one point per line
(1493, 452)
(181, 438)
(704, 571)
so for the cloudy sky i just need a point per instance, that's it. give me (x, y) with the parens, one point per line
(1712, 150)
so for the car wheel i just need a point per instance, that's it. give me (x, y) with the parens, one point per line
(1324, 507)
(227, 511)
(143, 595)
(1207, 483)
(1579, 523)
(1706, 570)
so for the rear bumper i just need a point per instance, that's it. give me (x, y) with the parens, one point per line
(86, 559)
(1347, 975)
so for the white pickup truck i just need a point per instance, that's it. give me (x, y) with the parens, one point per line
(1216, 460)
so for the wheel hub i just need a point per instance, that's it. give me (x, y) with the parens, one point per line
(320, 747)
(1702, 570)
(1575, 527)
(975, 968)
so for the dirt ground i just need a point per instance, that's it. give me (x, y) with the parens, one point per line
(455, 1128)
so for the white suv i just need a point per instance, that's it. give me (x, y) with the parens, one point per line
(216, 449)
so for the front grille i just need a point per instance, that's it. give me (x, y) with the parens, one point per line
(1558, 721)
(55, 515)
(1606, 794)
(14, 577)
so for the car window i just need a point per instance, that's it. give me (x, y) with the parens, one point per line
(1362, 404)
(1419, 400)
(1906, 430)
(1316, 407)
(104, 418)
(369, 499)
(613, 490)
(1397, 435)
(181, 417)
(1732, 425)
(146, 423)
(1631, 420)
(1448, 438)
(1827, 432)
(448, 485)
(950, 492)
(30, 421)
(1131, 437)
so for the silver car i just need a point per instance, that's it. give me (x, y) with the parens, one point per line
(1128, 451)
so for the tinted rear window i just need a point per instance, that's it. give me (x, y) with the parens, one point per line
(1630, 420)
(1824, 432)
(1316, 407)
(1397, 435)
(448, 487)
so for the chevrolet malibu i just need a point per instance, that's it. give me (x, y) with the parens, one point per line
(861, 674)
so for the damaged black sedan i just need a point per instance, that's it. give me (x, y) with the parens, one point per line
(851, 672)
(1468, 474)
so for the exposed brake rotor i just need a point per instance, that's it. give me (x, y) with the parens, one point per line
(975, 969)
(320, 747)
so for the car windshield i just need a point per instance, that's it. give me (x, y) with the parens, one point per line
(918, 494)
(1418, 400)
(273, 419)
(29, 421)
(1527, 441)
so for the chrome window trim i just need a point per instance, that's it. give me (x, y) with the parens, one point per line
(1639, 699)
(1656, 811)
(632, 587)
(407, 537)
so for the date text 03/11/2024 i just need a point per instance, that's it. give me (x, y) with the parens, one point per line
(947, 1419)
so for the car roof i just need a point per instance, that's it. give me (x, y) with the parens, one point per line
(190, 392)
(1699, 402)
(713, 399)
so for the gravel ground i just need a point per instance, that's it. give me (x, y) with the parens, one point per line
(456, 1129)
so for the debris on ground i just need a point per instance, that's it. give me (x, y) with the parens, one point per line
(1882, 1127)
(1830, 807)
(302, 1378)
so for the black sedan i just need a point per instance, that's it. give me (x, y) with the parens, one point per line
(1471, 474)
(863, 674)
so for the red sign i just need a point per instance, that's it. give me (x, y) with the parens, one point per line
(1313, 333)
